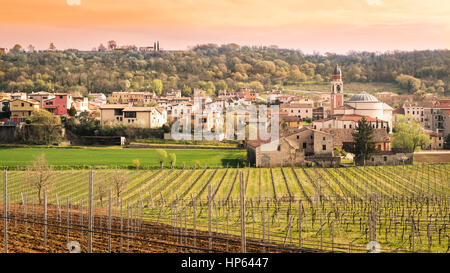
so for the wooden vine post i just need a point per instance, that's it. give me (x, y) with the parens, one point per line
(242, 193)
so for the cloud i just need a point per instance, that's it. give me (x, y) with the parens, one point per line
(73, 2)
(374, 2)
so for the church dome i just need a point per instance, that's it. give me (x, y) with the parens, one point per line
(363, 97)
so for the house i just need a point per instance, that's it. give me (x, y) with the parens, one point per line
(18, 96)
(343, 139)
(294, 147)
(304, 110)
(41, 96)
(59, 105)
(21, 109)
(436, 140)
(3, 51)
(141, 98)
(387, 158)
(147, 117)
(81, 104)
(174, 93)
(181, 109)
(291, 121)
(97, 99)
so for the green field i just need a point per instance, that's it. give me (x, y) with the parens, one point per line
(336, 202)
(116, 156)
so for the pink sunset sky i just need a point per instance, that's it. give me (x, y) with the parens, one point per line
(320, 25)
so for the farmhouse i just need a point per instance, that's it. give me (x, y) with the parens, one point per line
(343, 139)
(147, 117)
(21, 109)
(295, 147)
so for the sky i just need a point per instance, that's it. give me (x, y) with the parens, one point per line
(336, 26)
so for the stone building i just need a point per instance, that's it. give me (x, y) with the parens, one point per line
(343, 139)
(388, 158)
(146, 117)
(294, 147)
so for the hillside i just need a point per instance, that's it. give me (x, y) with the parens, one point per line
(213, 67)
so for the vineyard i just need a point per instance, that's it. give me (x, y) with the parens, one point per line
(403, 208)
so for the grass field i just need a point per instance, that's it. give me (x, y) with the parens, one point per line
(336, 202)
(117, 156)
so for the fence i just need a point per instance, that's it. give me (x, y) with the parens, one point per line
(403, 215)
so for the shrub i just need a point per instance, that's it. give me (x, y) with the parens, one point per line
(136, 163)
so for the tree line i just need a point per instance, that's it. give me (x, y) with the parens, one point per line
(212, 67)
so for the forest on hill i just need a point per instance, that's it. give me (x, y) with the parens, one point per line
(213, 67)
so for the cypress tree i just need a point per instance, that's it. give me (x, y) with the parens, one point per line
(364, 146)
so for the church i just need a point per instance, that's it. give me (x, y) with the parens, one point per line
(345, 115)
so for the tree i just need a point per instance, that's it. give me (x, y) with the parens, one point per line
(186, 91)
(364, 146)
(31, 48)
(72, 111)
(408, 135)
(119, 181)
(52, 47)
(101, 188)
(136, 163)
(221, 85)
(408, 82)
(257, 86)
(173, 159)
(112, 45)
(44, 128)
(6, 111)
(40, 175)
(16, 48)
(161, 156)
(102, 48)
(156, 86)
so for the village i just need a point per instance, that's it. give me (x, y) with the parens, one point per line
(312, 130)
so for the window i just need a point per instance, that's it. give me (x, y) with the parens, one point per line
(323, 138)
(298, 137)
(304, 145)
(324, 147)
(345, 126)
(311, 137)
(385, 158)
(23, 105)
(350, 126)
(60, 97)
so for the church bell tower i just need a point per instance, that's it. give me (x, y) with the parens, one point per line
(337, 89)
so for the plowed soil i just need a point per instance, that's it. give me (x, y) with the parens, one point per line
(26, 235)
